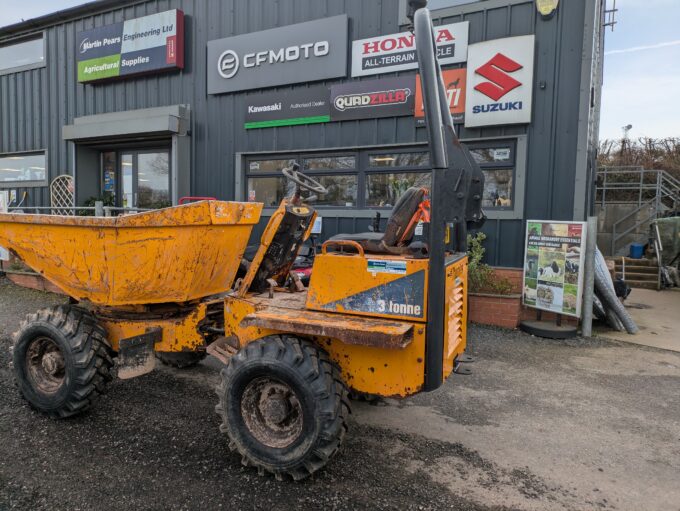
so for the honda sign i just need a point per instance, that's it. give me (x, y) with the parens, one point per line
(500, 78)
(314, 50)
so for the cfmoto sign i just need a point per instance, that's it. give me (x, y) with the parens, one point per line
(315, 50)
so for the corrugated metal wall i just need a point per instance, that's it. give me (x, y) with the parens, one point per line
(34, 105)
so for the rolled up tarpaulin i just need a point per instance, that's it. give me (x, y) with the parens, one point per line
(604, 287)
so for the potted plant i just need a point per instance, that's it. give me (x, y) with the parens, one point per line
(493, 299)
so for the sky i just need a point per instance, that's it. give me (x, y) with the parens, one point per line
(641, 69)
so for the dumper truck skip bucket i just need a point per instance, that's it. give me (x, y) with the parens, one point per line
(169, 255)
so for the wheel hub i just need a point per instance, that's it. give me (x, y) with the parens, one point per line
(45, 365)
(272, 412)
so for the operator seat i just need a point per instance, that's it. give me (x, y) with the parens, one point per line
(400, 229)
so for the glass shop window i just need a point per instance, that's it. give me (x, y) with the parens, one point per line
(498, 163)
(23, 168)
(26, 54)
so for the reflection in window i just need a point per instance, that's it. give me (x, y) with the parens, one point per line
(270, 165)
(342, 191)
(399, 160)
(153, 183)
(23, 167)
(329, 163)
(497, 188)
(383, 190)
(22, 54)
(268, 190)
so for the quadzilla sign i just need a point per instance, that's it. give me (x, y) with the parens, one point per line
(142, 45)
(387, 97)
(500, 77)
(305, 52)
(397, 52)
(287, 108)
(454, 81)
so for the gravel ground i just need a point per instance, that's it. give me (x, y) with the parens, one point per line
(539, 425)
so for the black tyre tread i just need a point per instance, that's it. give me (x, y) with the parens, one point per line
(91, 350)
(181, 360)
(323, 374)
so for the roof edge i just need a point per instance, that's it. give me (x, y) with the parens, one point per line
(41, 22)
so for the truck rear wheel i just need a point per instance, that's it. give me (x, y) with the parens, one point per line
(62, 361)
(283, 405)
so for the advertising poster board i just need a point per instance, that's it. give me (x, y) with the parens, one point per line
(397, 52)
(142, 45)
(553, 266)
(288, 108)
(4, 204)
(454, 81)
(386, 97)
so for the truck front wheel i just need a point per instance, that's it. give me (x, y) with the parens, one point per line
(283, 405)
(62, 361)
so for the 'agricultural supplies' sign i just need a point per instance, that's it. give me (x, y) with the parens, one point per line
(553, 266)
(397, 52)
(142, 45)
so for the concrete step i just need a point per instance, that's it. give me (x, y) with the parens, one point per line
(652, 270)
(634, 262)
(649, 277)
(642, 284)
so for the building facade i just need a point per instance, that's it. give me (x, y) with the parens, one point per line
(144, 102)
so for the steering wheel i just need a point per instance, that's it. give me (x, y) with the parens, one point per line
(303, 180)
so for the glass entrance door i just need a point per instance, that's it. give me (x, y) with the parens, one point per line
(142, 180)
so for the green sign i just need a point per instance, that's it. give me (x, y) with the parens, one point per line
(141, 45)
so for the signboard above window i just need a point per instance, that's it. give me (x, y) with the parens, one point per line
(500, 78)
(305, 52)
(149, 44)
(397, 52)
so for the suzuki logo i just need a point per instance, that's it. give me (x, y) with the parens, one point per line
(227, 64)
(500, 83)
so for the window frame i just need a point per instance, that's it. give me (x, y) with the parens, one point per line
(516, 212)
(26, 67)
(498, 165)
(8, 185)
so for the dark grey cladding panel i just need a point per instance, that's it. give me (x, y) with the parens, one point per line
(34, 105)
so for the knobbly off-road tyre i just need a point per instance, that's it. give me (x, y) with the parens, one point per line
(284, 406)
(62, 360)
(181, 360)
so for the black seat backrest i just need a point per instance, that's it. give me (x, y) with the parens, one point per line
(400, 218)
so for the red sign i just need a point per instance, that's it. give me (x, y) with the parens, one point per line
(500, 83)
(454, 81)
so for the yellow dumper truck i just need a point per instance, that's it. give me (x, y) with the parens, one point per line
(384, 313)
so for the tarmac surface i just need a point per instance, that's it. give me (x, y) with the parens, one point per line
(540, 424)
(657, 315)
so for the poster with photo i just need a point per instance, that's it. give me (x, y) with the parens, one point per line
(553, 266)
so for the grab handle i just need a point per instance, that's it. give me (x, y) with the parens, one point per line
(343, 243)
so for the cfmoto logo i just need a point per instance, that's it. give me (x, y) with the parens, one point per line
(228, 64)
(500, 83)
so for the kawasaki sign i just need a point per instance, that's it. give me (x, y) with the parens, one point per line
(315, 50)
(142, 45)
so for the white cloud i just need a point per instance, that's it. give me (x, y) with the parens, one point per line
(643, 48)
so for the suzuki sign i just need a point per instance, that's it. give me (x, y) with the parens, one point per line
(315, 50)
(397, 52)
(500, 78)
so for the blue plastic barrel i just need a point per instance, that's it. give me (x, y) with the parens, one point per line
(637, 250)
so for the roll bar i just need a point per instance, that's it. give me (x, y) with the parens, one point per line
(456, 191)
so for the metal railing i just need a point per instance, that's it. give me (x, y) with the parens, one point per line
(105, 211)
(654, 191)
